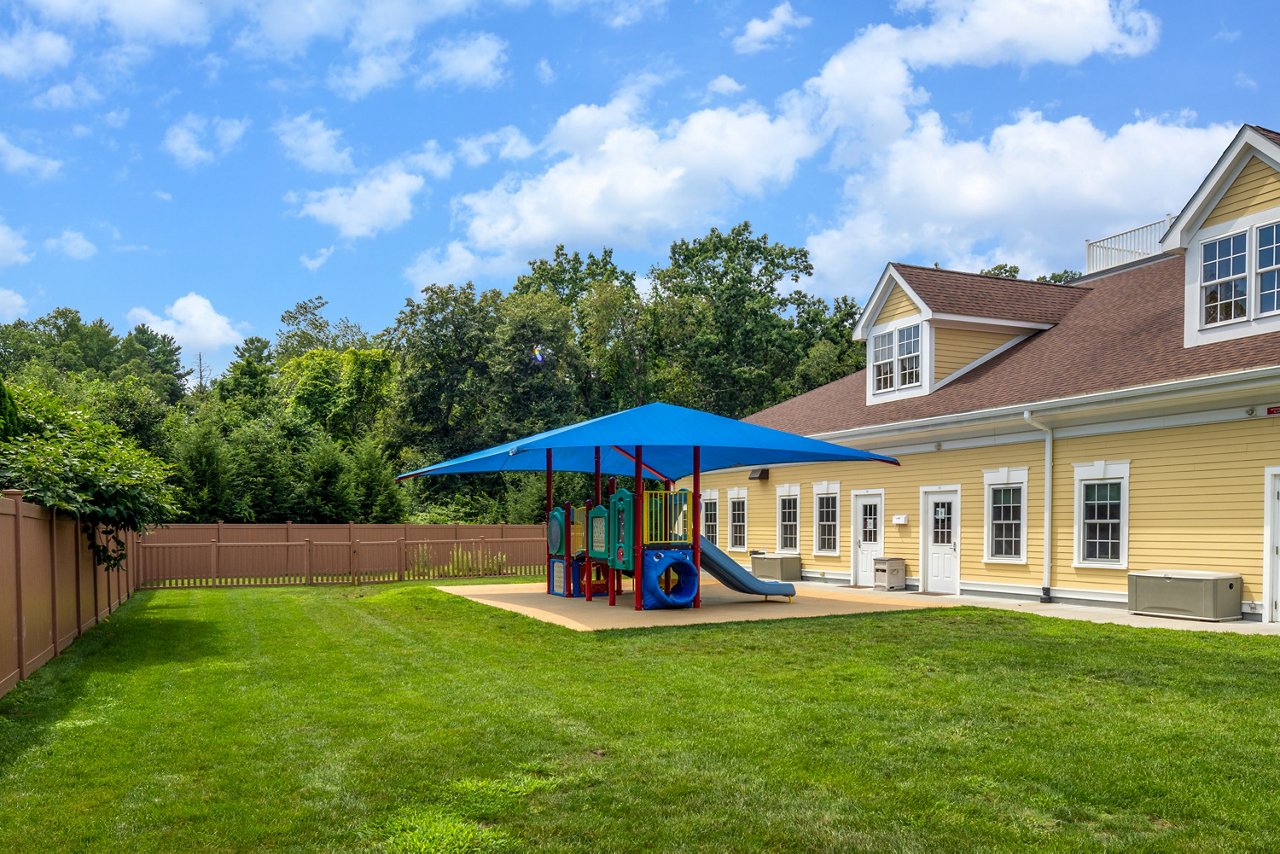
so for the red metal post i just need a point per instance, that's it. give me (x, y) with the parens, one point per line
(597, 474)
(547, 520)
(696, 534)
(637, 563)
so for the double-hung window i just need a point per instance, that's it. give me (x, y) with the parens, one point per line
(1224, 285)
(1006, 514)
(895, 358)
(789, 517)
(1102, 514)
(1269, 268)
(826, 518)
(711, 515)
(737, 519)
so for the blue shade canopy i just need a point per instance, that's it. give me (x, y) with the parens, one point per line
(668, 435)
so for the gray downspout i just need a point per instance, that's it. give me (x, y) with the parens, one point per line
(1048, 503)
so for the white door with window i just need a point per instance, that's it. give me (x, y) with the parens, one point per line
(942, 552)
(868, 537)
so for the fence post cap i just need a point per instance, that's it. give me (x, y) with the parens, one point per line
(15, 494)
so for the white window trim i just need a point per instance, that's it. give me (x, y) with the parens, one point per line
(826, 487)
(1250, 246)
(1087, 473)
(898, 392)
(786, 490)
(992, 478)
(1255, 295)
(710, 495)
(738, 493)
(1194, 331)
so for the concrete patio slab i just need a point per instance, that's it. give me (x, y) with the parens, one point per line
(813, 599)
(719, 605)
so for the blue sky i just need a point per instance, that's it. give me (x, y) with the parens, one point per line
(202, 165)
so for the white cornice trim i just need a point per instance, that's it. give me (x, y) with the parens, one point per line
(971, 320)
(1136, 396)
(879, 294)
(1247, 142)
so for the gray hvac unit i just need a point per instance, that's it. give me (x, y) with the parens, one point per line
(1187, 593)
(776, 567)
(890, 573)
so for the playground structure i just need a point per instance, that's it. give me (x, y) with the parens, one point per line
(595, 562)
(648, 535)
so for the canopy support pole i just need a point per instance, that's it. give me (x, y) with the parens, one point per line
(547, 519)
(597, 475)
(637, 562)
(696, 533)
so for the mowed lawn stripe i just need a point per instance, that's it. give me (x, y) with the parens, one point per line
(398, 717)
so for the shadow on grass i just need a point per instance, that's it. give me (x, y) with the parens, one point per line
(130, 640)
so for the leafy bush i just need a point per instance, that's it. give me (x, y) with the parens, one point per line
(65, 460)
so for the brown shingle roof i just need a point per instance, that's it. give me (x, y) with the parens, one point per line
(1125, 331)
(970, 294)
(1274, 136)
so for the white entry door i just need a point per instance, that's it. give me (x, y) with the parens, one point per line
(941, 543)
(868, 538)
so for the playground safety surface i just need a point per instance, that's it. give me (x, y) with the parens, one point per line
(719, 605)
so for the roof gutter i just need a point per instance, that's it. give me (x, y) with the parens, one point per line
(1046, 581)
(1258, 376)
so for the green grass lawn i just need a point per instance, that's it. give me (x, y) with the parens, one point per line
(402, 718)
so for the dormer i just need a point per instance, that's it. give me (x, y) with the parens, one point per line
(1230, 234)
(926, 327)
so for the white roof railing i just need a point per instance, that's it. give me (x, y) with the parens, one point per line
(1132, 245)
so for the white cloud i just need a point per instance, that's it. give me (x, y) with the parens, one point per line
(546, 74)
(117, 118)
(29, 52)
(867, 88)
(470, 61)
(724, 85)
(12, 305)
(13, 247)
(195, 140)
(73, 244)
(316, 261)
(66, 96)
(621, 181)
(308, 142)
(162, 195)
(1025, 195)
(192, 321)
(765, 33)
(616, 13)
(372, 71)
(18, 160)
(1244, 81)
(381, 201)
(429, 159)
(507, 143)
(167, 21)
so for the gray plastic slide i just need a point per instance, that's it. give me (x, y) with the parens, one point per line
(725, 569)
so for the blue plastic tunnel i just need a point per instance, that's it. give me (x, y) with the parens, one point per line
(680, 562)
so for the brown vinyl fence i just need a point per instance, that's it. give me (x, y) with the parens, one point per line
(260, 555)
(50, 592)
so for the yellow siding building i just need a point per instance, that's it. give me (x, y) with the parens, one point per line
(1149, 391)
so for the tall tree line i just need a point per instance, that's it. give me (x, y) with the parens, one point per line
(312, 425)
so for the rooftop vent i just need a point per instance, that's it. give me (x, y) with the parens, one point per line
(1132, 245)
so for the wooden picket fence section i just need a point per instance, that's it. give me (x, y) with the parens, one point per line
(244, 555)
(50, 591)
